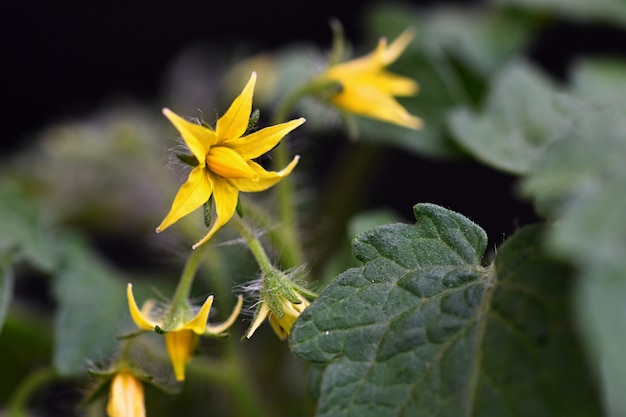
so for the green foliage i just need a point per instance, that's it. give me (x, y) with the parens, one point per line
(6, 290)
(26, 233)
(524, 114)
(92, 309)
(436, 333)
(611, 11)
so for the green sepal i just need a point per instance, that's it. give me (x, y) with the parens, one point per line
(208, 211)
(159, 330)
(254, 120)
(239, 207)
(187, 159)
(273, 302)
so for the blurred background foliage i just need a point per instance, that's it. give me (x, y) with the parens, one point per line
(79, 198)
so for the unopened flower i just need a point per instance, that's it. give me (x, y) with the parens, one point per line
(180, 326)
(367, 89)
(281, 323)
(126, 398)
(225, 163)
(281, 302)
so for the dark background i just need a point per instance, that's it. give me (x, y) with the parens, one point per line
(62, 60)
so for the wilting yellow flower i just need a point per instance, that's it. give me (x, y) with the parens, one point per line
(281, 324)
(181, 330)
(126, 397)
(367, 89)
(225, 161)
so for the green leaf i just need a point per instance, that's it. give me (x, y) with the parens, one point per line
(600, 307)
(422, 329)
(583, 163)
(523, 115)
(602, 81)
(612, 11)
(482, 38)
(26, 232)
(91, 310)
(6, 291)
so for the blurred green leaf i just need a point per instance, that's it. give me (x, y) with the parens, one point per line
(523, 115)
(438, 334)
(602, 81)
(612, 11)
(584, 161)
(91, 310)
(600, 309)
(6, 290)
(482, 38)
(26, 233)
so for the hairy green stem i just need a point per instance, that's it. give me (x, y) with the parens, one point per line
(255, 246)
(293, 254)
(186, 278)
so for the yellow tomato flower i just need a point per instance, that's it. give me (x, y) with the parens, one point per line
(280, 324)
(225, 161)
(181, 331)
(126, 397)
(367, 89)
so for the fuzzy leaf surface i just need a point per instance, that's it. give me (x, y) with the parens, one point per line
(422, 329)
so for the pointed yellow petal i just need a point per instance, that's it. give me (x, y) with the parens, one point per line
(266, 179)
(180, 345)
(126, 397)
(398, 46)
(221, 328)
(262, 141)
(140, 320)
(392, 84)
(227, 163)
(225, 196)
(259, 317)
(194, 193)
(377, 105)
(234, 122)
(198, 323)
(277, 326)
(198, 138)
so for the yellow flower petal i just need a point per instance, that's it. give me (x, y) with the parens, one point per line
(198, 138)
(126, 397)
(262, 141)
(375, 104)
(265, 179)
(225, 196)
(227, 163)
(198, 323)
(261, 314)
(278, 328)
(180, 345)
(194, 193)
(398, 46)
(234, 122)
(220, 328)
(140, 320)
